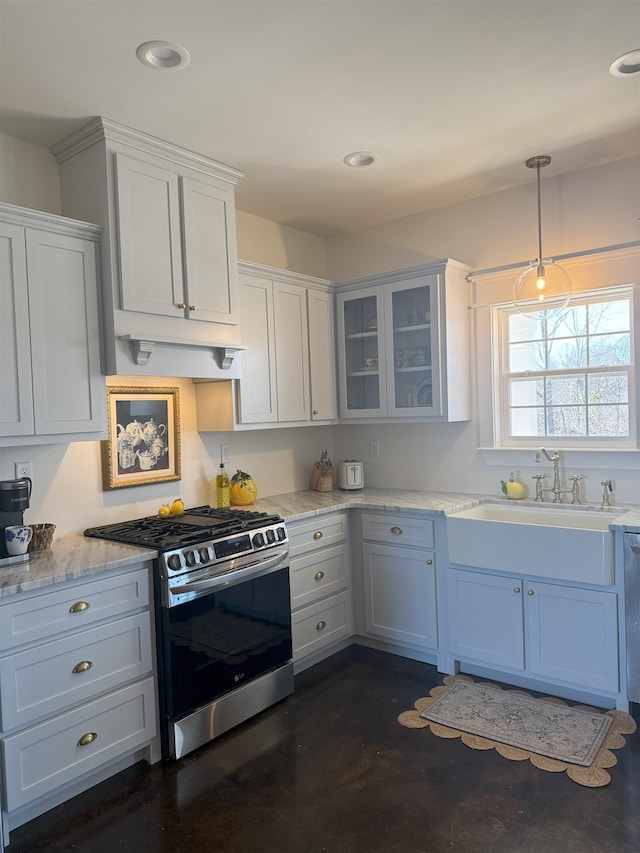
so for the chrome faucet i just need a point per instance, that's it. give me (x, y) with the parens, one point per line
(556, 488)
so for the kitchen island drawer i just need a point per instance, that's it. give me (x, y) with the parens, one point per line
(43, 680)
(318, 574)
(321, 532)
(414, 531)
(39, 617)
(44, 757)
(322, 624)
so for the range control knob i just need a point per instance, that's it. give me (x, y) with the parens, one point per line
(282, 534)
(205, 554)
(258, 540)
(174, 562)
(190, 558)
(271, 536)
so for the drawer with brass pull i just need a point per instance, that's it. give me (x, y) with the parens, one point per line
(318, 574)
(73, 606)
(321, 532)
(322, 624)
(43, 680)
(40, 759)
(414, 531)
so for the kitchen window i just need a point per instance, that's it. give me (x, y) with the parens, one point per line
(567, 374)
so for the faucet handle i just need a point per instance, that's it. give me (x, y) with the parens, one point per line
(605, 494)
(576, 477)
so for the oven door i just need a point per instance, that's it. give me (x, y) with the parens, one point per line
(216, 643)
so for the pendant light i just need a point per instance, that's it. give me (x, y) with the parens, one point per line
(542, 284)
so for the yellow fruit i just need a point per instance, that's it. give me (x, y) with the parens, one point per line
(177, 507)
(243, 490)
(164, 511)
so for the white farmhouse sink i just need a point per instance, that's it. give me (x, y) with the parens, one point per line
(543, 541)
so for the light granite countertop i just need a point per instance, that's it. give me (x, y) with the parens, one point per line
(76, 556)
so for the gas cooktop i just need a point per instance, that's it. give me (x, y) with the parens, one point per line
(194, 526)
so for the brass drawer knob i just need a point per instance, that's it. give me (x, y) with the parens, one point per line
(83, 666)
(397, 531)
(182, 305)
(516, 589)
(321, 625)
(317, 534)
(530, 592)
(318, 576)
(79, 607)
(87, 738)
(429, 562)
(192, 307)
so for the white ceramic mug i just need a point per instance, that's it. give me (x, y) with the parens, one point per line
(17, 538)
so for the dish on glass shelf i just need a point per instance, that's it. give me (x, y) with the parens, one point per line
(424, 392)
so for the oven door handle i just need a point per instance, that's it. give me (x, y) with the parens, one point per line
(234, 576)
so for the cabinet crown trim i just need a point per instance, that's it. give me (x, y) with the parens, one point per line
(441, 266)
(51, 222)
(104, 129)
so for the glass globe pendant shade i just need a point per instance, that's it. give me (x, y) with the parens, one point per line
(541, 286)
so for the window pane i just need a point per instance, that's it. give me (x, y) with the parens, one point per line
(610, 316)
(566, 390)
(567, 322)
(609, 389)
(609, 421)
(526, 356)
(605, 350)
(526, 392)
(524, 422)
(567, 420)
(527, 328)
(567, 352)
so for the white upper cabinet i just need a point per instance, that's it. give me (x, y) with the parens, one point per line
(169, 249)
(403, 345)
(288, 368)
(52, 387)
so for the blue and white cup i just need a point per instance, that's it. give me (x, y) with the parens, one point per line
(17, 538)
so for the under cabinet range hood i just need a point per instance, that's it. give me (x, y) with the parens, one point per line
(168, 253)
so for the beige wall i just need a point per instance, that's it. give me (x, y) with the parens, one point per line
(261, 241)
(28, 175)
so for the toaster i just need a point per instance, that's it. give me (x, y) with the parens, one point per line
(350, 474)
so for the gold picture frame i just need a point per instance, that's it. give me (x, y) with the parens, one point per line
(143, 444)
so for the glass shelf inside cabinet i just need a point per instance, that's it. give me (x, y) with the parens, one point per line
(412, 360)
(361, 353)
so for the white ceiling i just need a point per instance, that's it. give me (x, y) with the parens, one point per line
(453, 95)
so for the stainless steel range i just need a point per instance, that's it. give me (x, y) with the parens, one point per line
(223, 617)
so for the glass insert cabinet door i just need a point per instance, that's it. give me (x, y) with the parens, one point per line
(412, 348)
(360, 327)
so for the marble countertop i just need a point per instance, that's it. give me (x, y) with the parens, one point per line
(69, 558)
(74, 557)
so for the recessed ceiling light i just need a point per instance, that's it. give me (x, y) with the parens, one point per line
(163, 54)
(360, 159)
(628, 63)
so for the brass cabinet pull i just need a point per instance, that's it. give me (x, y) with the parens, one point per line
(315, 412)
(429, 562)
(192, 307)
(397, 531)
(79, 607)
(516, 589)
(530, 592)
(83, 666)
(321, 625)
(182, 305)
(317, 534)
(87, 738)
(318, 576)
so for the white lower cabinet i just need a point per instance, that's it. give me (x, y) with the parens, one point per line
(321, 606)
(399, 579)
(77, 689)
(549, 631)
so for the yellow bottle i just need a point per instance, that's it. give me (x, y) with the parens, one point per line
(222, 489)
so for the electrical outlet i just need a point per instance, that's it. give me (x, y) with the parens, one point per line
(226, 453)
(374, 448)
(24, 469)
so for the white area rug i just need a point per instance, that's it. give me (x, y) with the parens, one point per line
(537, 725)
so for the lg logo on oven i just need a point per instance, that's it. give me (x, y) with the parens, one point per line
(239, 676)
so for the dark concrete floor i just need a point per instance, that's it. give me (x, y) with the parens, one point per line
(330, 770)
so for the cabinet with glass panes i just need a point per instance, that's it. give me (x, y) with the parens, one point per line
(403, 345)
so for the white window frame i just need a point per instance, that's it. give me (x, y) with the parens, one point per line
(502, 375)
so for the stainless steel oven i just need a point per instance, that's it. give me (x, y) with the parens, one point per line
(223, 618)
